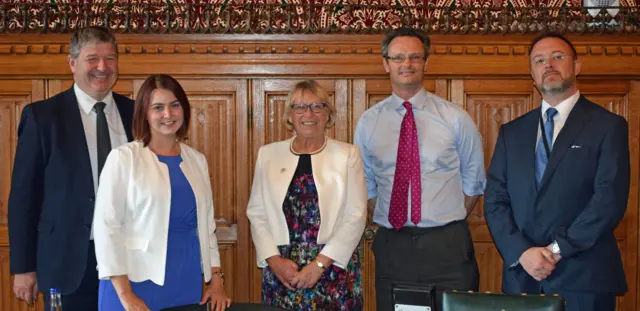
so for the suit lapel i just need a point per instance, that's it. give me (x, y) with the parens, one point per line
(125, 108)
(282, 170)
(577, 120)
(323, 176)
(528, 151)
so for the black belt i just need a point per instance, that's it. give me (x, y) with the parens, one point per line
(421, 230)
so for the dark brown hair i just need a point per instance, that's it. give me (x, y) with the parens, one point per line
(406, 32)
(553, 35)
(141, 130)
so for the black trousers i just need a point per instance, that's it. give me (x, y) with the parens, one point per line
(441, 256)
(85, 298)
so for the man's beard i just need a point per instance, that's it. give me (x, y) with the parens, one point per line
(557, 88)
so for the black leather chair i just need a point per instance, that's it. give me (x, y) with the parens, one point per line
(470, 301)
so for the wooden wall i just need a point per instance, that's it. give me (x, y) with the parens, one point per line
(237, 85)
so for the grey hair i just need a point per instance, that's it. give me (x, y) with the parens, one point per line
(91, 34)
(406, 32)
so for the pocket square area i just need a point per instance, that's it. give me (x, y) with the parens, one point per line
(576, 146)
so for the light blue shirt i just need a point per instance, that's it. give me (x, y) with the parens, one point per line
(451, 156)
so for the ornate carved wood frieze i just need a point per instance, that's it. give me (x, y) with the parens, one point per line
(321, 17)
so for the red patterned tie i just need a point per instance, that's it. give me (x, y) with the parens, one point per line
(407, 173)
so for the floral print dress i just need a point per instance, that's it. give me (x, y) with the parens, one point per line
(337, 289)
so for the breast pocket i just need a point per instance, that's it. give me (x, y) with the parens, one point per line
(582, 159)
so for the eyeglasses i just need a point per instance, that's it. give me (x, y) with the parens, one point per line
(414, 58)
(315, 107)
(545, 60)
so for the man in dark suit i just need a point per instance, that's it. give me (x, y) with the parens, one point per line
(62, 144)
(557, 187)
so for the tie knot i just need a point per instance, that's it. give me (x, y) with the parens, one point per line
(407, 105)
(99, 106)
(551, 112)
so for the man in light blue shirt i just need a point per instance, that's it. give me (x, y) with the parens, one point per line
(438, 157)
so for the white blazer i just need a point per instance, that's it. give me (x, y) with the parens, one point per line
(131, 218)
(342, 199)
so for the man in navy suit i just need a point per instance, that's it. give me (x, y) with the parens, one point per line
(557, 187)
(62, 144)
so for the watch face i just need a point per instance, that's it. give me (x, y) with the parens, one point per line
(556, 249)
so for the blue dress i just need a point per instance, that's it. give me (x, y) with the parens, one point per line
(183, 272)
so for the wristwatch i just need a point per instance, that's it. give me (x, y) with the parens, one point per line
(220, 273)
(555, 248)
(321, 265)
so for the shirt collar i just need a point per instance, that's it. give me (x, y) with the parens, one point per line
(86, 102)
(564, 107)
(418, 101)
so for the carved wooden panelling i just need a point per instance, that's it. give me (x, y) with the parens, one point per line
(489, 265)
(229, 267)
(491, 103)
(122, 87)
(368, 274)
(270, 96)
(8, 301)
(14, 95)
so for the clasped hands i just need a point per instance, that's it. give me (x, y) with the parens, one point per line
(539, 262)
(287, 273)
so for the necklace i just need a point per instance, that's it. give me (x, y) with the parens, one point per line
(311, 153)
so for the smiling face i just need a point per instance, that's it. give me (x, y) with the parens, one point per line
(95, 70)
(554, 67)
(307, 123)
(407, 74)
(165, 114)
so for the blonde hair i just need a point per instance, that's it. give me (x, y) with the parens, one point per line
(314, 88)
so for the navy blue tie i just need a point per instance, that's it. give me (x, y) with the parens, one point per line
(541, 153)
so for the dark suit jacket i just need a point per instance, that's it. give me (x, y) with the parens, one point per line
(580, 200)
(52, 192)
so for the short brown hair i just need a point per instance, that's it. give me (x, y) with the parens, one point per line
(314, 88)
(553, 35)
(406, 32)
(141, 130)
(91, 34)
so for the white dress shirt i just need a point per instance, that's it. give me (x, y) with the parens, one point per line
(564, 108)
(88, 114)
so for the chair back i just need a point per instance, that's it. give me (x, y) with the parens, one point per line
(463, 301)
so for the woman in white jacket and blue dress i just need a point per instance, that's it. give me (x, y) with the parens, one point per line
(153, 221)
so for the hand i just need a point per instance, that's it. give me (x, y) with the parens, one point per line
(284, 269)
(25, 287)
(131, 302)
(215, 292)
(308, 277)
(538, 262)
(556, 257)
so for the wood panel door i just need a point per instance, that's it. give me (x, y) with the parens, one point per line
(219, 129)
(367, 93)
(269, 97)
(14, 95)
(492, 103)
